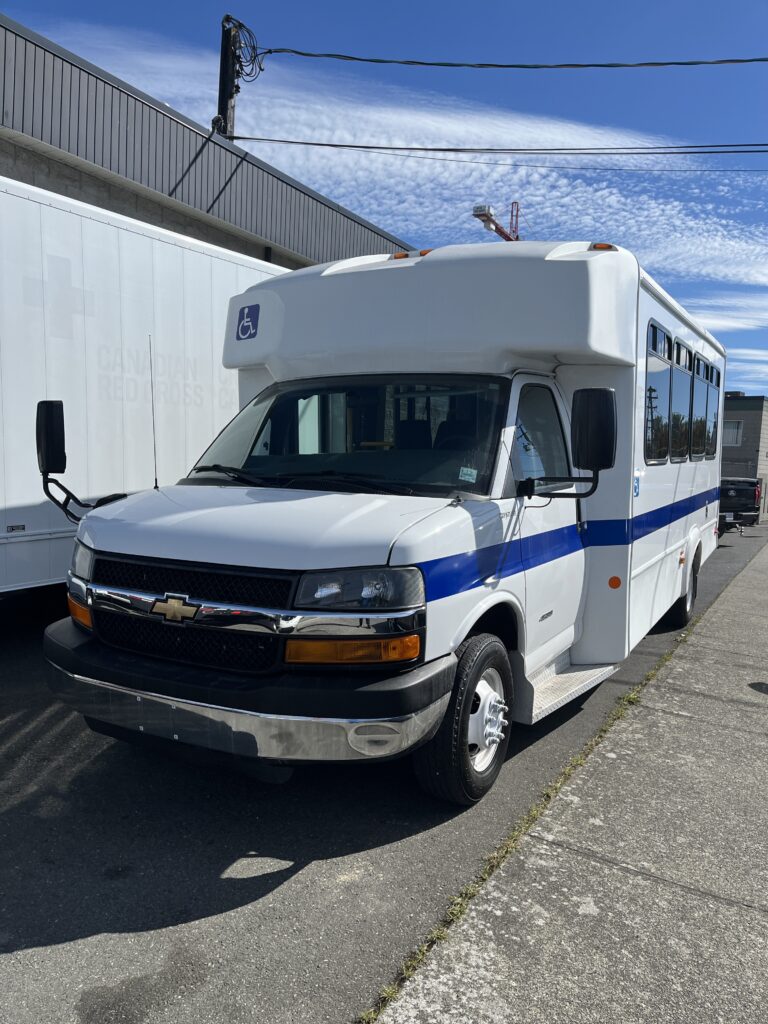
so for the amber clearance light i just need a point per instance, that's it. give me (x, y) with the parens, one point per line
(79, 612)
(345, 652)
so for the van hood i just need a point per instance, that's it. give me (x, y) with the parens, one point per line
(258, 527)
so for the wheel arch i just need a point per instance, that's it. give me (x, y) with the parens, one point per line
(693, 553)
(697, 555)
(499, 614)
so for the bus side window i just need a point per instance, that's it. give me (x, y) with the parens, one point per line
(713, 402)
(699, 410)
(681, 404)
(657, 394)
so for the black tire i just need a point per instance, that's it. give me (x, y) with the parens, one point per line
(681, 612)
(444, 766)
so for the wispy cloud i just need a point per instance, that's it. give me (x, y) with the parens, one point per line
(731, 311)
(688, 230)
(747, 369)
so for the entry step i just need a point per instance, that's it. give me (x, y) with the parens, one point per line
(560, 683)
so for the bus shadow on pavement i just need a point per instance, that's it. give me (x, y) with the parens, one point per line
(99, 836)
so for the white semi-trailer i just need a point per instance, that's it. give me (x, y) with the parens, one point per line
(462, 486)
(81, 292)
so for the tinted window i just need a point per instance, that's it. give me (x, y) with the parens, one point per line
(428, 434)
(699, 417)
(659, 341)
(711, 440)
(538, 448)
(680, 414)
(657, 409)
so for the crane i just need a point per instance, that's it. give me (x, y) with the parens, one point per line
(488, 219)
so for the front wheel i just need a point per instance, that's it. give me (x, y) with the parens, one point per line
(463, 760)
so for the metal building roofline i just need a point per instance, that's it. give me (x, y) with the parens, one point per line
(175, 115)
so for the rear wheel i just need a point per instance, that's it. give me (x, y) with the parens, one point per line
(681, 612)
(463, 760)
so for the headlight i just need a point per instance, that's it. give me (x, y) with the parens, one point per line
(82, 561)
(357, 589)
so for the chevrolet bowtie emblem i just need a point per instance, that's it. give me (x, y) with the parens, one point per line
(175, 609)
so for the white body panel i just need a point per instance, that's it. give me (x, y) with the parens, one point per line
(479, 308)
(257, 527)
(81, 290)
(661, 558)
(582, 582)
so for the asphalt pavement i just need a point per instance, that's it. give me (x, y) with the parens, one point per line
(135, 887)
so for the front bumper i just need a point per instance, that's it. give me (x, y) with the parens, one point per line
(295, 717)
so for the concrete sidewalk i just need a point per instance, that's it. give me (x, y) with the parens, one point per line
(642, 894)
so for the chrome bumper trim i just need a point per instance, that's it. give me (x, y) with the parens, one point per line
(247, 733)
(256, 620)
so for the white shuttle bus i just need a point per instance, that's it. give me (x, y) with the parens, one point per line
(463, 484)
(81, 291)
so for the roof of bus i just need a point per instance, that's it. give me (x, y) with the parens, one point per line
(471, 308)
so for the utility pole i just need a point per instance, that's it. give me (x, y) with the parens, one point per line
(229, 72)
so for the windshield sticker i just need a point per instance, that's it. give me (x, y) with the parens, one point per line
(247, 322)
(468, 475)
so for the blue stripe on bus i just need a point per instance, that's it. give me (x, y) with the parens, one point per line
(609, 532)
(456, 574)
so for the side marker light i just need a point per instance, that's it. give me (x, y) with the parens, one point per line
(345, 652)
(79, 612)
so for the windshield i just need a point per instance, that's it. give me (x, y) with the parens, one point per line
(411, 435)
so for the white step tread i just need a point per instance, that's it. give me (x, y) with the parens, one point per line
(563, 685)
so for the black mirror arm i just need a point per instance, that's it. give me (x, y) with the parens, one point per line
(527, 488)
(69, 497)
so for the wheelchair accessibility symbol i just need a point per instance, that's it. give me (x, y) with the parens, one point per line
(247, 322)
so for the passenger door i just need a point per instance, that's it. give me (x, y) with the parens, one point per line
(551, 547)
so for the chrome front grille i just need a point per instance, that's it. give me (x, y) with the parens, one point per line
(232, 620)
(226, 649)
(234, 649)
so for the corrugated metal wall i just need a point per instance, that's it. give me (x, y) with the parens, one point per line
(55, 97)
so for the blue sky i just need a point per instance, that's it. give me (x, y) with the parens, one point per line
(702, 235)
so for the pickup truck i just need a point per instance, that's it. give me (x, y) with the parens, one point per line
(739, 503)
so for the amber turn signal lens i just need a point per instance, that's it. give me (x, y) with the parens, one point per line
(79, 612)
(614, 582)
(352, 652)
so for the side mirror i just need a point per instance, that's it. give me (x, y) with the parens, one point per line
(51, 453)
(593, 429)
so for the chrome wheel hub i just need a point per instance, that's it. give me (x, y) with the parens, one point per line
(486, 720)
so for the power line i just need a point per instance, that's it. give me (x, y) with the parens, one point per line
(488, 65)
(576, 167)
(555, 167)
(701, 149)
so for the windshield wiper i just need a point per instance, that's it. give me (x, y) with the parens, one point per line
(374, 482)
(286, 479)
(237, 474)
